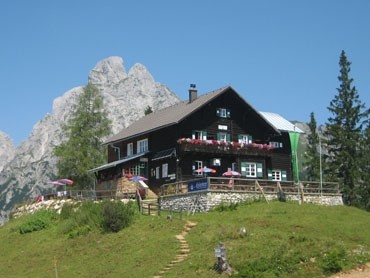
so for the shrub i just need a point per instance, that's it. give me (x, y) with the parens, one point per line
(332, 262)
(81, 219)
(38, 221)
(67, 211)
(117, 215)
(226, 206)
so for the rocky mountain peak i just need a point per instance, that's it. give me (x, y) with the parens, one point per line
(140, 72)
(29, 167)
(108, 71)
(7, 149)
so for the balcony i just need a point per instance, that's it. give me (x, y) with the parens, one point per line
(222, 147)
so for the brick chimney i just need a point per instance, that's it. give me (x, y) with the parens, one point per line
(193, 93)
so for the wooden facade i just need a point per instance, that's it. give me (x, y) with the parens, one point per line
(219, 130)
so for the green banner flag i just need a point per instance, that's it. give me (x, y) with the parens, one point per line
(294, 139)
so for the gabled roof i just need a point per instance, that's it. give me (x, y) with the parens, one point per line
(173, 115)
(165, 117)
(280, 123)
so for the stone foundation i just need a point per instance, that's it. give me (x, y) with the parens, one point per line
(203, 201)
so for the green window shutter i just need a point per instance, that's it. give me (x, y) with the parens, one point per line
(240, 137)
(218, 112)
(242, 167)
(269, 174)
(250, 139)
(259, 170)
(228, 113)
(193, 135)
(283, 176)
(228, 137)
(218, 136)
(204, 134)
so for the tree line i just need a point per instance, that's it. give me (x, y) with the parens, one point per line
(346, 140)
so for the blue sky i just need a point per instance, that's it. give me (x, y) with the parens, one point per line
(281, 56)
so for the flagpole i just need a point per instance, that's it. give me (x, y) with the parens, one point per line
(320, 153)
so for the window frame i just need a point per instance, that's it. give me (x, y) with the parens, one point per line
(165, 170)
(198, 164)
(130, 149)
(249, 170)
(276, 175)
(142, 145)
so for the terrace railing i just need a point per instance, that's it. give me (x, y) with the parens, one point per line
(253, 185)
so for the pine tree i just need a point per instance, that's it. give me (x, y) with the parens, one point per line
(148, 110)
(364, 188)
(312, 153)
(344, 134)
(83, 149)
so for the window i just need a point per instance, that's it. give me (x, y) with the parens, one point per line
(223, 113)
(223, 136)
(165, 170)
(142, 146)
(197, 165)
(157, 172)
(276, 175)
(130, 149)
(216, 162)
(222, 127)
(132, 170)
(199, 134)
(251, 169)
(245, 139)
(276, 145)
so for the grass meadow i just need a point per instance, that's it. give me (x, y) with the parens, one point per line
(276, 239)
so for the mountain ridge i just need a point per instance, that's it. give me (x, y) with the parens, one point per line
(26, 169)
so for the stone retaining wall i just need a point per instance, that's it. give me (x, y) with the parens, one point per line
(30, 208)
(202, 201)
(54, 204)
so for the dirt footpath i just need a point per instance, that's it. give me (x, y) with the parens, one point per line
(360, 272)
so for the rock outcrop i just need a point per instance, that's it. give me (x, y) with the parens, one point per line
(26, 170)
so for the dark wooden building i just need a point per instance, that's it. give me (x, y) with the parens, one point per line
(219, 130)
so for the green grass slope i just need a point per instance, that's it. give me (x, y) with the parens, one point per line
(280, 240)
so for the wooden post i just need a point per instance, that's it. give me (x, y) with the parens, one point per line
(281, 194)
(300, 188)
(261, 189)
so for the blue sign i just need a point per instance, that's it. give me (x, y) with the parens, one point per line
(198, 185)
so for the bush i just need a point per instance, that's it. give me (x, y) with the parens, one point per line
(117, 215)
(81, 219)
(109, 216)
(67, 211)
(38, 221)
(332, 262)
(226, 206)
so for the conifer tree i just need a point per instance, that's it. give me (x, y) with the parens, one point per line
(364, 190)
(148, 110)
(83, 149)
(344, 134)
(312, 153)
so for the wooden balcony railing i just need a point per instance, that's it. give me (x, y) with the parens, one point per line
(221, 147)
(253, 185)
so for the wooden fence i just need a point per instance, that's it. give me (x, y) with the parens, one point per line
(253, 185)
